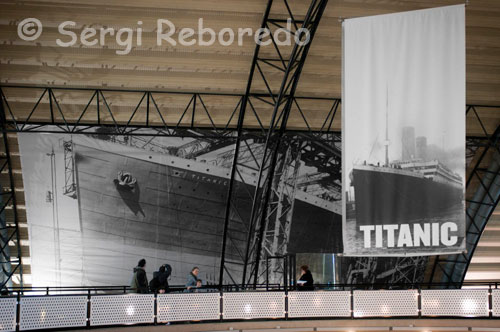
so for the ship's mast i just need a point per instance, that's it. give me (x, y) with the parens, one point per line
(387, 128)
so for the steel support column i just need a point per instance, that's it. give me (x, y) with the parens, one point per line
(292, 68)
(241, 118)
(9, 229)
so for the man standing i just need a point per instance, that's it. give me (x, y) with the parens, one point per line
(159, 283)
(192, 279)
(139, 282)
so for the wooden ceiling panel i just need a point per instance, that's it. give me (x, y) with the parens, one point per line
(216, 68)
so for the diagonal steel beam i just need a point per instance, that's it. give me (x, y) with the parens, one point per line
(280, 114)
(239, 127)
(9, 198)
(479, 210)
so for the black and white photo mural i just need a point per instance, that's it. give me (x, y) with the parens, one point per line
(404, 133)
(97, 203)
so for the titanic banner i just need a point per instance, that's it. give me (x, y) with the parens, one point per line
(404, 133)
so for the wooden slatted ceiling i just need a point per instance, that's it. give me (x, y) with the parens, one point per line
(216, 68)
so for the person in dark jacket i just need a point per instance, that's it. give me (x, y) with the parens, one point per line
(159, 283)
(306, 280)
(139, 282)
(192, 279)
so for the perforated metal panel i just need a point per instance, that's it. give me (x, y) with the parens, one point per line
(189, 306)
(455, 302)
(122, 309)
(254, 305)
(44, 312)
(319, 304)
(8, 310)
(383, 303)
(495, 302)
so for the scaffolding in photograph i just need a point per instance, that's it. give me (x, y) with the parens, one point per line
(69, 188)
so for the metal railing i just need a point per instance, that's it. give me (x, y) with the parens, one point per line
(62, 307)
(124, 289)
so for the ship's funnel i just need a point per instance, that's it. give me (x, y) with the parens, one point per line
(408, 140)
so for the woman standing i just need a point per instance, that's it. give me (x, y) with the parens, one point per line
(306, 280)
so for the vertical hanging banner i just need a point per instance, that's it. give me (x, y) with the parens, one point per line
(404, 133)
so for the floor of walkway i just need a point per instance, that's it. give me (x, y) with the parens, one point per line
(364, 325)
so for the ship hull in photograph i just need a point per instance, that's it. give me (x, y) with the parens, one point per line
(175, 212)
(386, 195)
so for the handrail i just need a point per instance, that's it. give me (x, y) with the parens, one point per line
(249, 287)
(125, 289)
